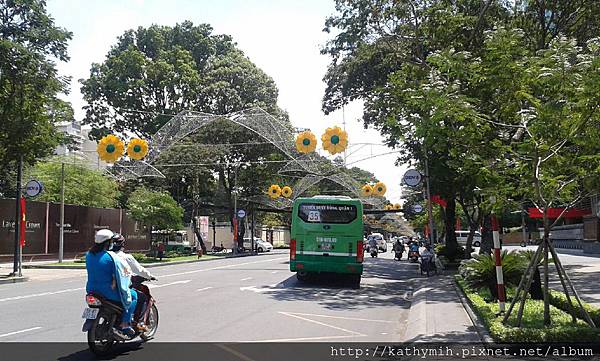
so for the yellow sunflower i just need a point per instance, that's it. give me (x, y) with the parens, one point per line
(335, 140)
(137, 149)
(306, 142)
(367, 190)
(286, 192)
(389, 207)
(379, 189)
(110, 148)
(397, 206)
(274, 191)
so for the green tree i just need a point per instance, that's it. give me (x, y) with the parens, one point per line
(155, 209)
(153, 73)
(30, 44)
(83, 186)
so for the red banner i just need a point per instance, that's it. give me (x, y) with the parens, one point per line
(23, 223)
(437, 199)
(555, 213)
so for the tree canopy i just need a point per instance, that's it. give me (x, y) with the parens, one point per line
(153, 73)
(156, 209)
(83, 186)
(30, 45)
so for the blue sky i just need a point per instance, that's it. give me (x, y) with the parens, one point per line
(282, 37)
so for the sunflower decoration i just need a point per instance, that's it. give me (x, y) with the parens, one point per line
(286, 192)
(306, 142)
(335, 140)
(379, 189)
(367, 190)
(110, 148)
(137, 149)
(388, 207)
(274, 191)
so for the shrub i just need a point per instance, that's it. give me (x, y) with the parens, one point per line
(562, 329)
(480, 271)
(559, 300)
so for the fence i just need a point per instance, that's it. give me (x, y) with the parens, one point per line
(81, 223)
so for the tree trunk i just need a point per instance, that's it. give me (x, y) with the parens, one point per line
(547, 320)
(449, 226)
(487, 240)
(469, 245)
(199, 235)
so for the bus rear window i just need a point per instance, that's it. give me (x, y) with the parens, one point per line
(327, 213)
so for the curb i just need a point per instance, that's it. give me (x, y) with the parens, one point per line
(148, 265)
(417, 314)
(13, 280)
(483, 333)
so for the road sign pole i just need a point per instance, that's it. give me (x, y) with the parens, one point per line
(61, 239)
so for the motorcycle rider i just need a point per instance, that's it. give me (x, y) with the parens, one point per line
(108, 277)
(118, 246)
(398, 249)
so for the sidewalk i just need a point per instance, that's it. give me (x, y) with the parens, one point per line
(437, 314)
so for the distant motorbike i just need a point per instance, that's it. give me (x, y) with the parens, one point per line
(102, 315)
(374, 252)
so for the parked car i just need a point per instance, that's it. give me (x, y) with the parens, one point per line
(261, 245)
(461, 238)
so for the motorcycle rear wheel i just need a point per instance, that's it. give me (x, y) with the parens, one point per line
(152, 324)
(99, 338)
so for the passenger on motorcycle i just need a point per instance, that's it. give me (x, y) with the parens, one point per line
(118, 246)
(399, 247)
(108, 277)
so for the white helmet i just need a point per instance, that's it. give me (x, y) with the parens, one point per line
(103, 235)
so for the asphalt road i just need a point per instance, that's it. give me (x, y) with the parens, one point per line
(238, 299)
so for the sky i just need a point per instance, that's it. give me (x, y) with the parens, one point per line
(283, 38)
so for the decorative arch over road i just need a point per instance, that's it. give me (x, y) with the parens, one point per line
(260, 122)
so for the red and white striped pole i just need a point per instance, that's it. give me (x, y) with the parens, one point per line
(497, 256)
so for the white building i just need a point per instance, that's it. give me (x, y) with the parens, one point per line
(80, 146)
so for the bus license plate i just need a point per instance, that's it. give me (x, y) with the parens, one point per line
(326, 247)
(90, 313)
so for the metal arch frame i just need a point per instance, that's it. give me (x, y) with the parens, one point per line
(259, 122)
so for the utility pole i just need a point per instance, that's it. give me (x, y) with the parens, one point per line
(17, 255)
(429, 205)
(235, 218)
(61, 239)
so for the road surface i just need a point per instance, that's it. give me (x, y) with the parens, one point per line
(237, 299)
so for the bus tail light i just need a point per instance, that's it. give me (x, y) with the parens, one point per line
(360, 253)
(292, 250)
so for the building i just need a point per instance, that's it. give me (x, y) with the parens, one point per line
(79, 145)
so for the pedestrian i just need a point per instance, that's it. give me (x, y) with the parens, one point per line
(161, 251)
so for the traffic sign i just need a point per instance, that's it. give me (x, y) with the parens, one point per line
(417, 208)
(33, 188)
(241, 213)
(412, 178)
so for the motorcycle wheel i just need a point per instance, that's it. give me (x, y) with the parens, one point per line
(99, 337)
(152, 324)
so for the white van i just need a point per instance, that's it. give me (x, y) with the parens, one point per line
(461, 238)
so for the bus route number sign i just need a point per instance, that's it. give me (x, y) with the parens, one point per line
(314, 216)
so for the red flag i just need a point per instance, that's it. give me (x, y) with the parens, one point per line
(23, 222)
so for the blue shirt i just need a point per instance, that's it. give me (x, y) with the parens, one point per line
(101, 270)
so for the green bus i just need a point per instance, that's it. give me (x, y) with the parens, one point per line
(327, 237)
